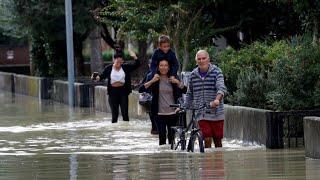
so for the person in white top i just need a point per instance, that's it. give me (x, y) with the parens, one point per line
(119, 84)
(117, 76)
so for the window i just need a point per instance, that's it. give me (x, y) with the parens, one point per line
(10, 55)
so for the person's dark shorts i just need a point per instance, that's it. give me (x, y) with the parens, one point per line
(212, 128)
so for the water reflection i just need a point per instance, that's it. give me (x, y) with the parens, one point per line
(73, 157)
(73, 166)
(212, 165)
(312, 168)
(48, 141)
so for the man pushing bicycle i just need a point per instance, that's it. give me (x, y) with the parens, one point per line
(206, 86)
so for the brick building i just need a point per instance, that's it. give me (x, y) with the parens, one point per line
(15, 58)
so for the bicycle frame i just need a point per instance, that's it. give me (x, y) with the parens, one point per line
(194, 132)
(181, 130)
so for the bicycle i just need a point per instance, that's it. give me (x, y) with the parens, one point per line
(179, 138)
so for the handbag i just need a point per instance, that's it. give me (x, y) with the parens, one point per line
(145, 99)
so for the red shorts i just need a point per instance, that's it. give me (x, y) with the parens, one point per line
(211, 128)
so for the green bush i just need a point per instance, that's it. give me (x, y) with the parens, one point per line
(107, 55)
(258, 57)
(86, 57)
(316, 94)
(281, 75)
(252, 90)
(296, 78)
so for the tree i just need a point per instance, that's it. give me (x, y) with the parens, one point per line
(135, 20)
(309, 14)
(143, 20)
(193, 24)
(44, 23)
(95, 49)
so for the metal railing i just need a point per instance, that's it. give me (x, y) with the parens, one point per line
(287, 126)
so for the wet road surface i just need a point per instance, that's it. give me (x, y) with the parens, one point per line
(47, 140)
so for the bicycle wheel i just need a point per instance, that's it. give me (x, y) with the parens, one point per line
(196, 142)
(178, 139)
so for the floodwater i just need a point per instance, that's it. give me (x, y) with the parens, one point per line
(47, 140)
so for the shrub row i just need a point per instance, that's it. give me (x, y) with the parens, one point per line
(281, 75)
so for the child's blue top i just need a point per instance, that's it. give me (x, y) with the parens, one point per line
(159, 55)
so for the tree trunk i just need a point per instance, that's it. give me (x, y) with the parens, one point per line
(31, 59)
(38, 61)
(95, 49)
(142, 55)
(186, 56)
(58, 59)
(176, 50)
(176, 43)
(107, 37)
(138, 74)
(315, 31)
(78, 57)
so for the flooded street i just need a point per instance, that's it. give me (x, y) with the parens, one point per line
(47, 140)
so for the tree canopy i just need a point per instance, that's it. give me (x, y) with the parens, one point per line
(191, 24)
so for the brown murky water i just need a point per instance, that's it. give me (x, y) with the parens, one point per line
(46, 140)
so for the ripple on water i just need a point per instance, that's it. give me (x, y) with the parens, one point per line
(44, 142)
(94, 135)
